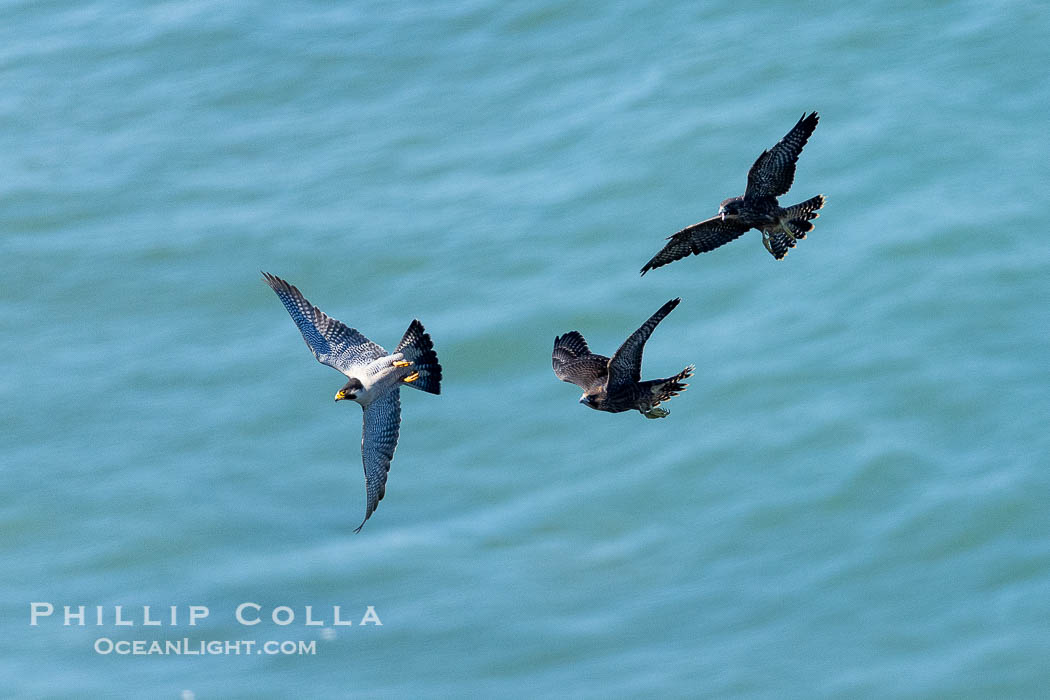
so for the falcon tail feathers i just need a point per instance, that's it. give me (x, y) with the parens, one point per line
(418, 348)
(800, 227)
(665, 389)
(802, 213)
(807, 208)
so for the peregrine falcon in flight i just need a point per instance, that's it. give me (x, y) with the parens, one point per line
(770, 177)
(615, 384)
(375, 378)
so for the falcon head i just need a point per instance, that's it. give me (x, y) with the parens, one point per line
(349, 390)
(730, 207)
(590, 400)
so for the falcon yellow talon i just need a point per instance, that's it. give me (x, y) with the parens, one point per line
(402, 363)
(411, 378)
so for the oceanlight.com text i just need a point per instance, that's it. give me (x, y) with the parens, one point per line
(189, 647)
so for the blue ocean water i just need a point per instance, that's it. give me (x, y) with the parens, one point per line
(849, 500)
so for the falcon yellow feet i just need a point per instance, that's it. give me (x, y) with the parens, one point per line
(410, 378)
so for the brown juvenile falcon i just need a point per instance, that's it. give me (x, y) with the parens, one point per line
(770, 177)
(614, 384)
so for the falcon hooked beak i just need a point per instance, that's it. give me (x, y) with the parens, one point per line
(341, 395)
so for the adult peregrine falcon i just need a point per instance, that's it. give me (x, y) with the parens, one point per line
(770, 177)
(614, 384)
(375, 378)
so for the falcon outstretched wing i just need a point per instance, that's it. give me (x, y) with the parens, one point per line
(774, 171)
(575, 363)
(382, 423)
(625, 367)
(332, 342)
(698, 238)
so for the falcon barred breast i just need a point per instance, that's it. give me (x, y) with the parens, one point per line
(770, 177)
(614, 384)
(375, 378)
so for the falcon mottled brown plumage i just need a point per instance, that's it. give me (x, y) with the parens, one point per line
(770, 177)
(614, 384)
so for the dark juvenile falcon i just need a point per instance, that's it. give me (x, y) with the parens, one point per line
(770, 177)
(615, 384)
(375, 378)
